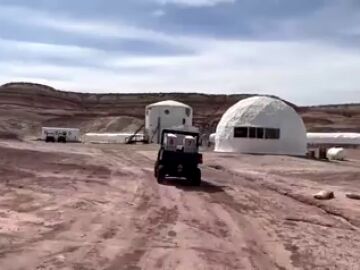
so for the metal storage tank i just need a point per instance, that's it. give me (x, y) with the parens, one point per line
(166, 114)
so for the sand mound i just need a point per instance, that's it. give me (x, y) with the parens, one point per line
(114, 124)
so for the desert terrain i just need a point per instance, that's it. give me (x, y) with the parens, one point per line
(25, 108)
(79, 206)
(87, 206)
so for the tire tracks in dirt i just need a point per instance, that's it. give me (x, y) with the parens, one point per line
(241, 215)
(149, 218)
(223, 214)
(296, 244)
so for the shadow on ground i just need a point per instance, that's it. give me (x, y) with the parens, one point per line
(185, 185)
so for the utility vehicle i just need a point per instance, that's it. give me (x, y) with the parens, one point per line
(179, 156)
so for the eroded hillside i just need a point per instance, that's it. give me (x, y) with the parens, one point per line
(25, 107)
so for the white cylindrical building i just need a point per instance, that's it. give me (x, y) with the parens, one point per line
(110, 138)
(261, 125)
(166, 114)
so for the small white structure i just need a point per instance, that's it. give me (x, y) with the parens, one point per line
(336, 153)
(109, 138)
(261, 125)
(212, 138)
(166, 114)
(70, 134)
(333, 138)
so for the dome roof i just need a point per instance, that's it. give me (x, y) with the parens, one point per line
(168, 103)
(262, 112)
(256, 111)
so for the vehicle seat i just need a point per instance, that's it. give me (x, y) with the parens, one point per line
(189, 144)
(170, 142)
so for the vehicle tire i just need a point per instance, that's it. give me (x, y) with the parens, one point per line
(196, 178)
(62, 140)
(160, 174)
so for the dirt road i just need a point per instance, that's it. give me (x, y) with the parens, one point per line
(99, 207)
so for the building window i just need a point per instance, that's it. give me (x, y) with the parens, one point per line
(184, 121)
(260, 133)
(240, 132)
(257, 133)
(272, 133)
(187, 111)
(167, 112)
(252, 132)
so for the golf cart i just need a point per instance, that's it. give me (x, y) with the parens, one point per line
(179, 156)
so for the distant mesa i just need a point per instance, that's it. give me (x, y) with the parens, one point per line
(27, 84)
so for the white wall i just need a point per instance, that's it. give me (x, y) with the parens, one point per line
(292, 141)
(108, 138)
(174, 118)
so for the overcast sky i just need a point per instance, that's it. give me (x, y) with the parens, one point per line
(306, 51)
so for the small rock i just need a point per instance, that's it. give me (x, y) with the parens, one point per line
(353, 196)
(324, 195)
(60, 258)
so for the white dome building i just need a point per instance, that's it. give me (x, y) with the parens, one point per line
(261, 125)
(166, 114)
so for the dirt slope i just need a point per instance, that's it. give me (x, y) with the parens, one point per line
(332, 118)
(25, 107)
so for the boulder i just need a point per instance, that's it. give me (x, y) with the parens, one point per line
(353, 196)
(324, 195)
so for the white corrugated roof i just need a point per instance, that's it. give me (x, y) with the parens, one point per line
(112, 134)
(333, 138)
(168, 103)
(60, 128)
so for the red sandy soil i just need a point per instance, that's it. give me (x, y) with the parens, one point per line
(78, 206)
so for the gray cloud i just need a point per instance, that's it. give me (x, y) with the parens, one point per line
(304, 51)
(195, 3)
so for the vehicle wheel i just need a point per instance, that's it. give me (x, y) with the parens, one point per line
(62, 140)
(196, 178)
(160, 175)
